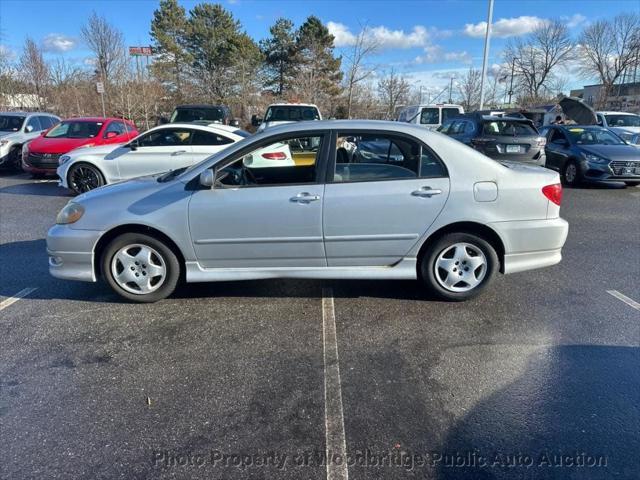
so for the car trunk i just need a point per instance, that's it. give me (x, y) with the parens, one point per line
(510, 147)
(578, 111)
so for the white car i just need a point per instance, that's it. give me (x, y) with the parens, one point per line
(19, 128)
(163, 148)
(623, 124)
(281, 113)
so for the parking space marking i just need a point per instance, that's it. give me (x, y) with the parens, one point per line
(336, 445)
(625, 299)
(21, 294)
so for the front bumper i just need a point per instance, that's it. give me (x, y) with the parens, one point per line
(610, 172)
(531, 244)
(71, 253)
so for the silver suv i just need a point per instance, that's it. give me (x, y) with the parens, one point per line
(18, 128)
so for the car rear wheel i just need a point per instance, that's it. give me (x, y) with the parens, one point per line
(140, 268)
(15, 161)
(83, 177)
(459, 266)
(572, 175)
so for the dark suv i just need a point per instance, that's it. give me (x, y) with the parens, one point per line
(501, 138)
(202, 114)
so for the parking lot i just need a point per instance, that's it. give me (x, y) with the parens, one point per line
(538, 377)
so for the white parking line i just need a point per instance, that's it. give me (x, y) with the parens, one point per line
(625, 299)
(21, 294)
(336, 445)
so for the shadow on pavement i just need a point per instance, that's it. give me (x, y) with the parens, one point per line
(574, 407)
(47, 188)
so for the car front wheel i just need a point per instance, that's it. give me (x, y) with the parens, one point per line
(140, 268)
(459, 266)
(84, 177)
(572, 175)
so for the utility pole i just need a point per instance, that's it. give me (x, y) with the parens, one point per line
(513, 67)
(450, 88)
(487, 38)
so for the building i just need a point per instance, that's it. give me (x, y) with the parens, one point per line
(622, 97)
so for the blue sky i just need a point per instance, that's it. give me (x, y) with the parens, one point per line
(427, 40)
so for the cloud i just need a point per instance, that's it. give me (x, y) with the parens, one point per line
(574, 20)
(436, 54)
(56, 42)
(384, 37)
(6, 53)
(505, 27)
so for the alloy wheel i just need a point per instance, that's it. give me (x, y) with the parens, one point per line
(460, 267)
(85, 178)
(138, 269)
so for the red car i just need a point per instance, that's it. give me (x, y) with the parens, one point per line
(40, 156)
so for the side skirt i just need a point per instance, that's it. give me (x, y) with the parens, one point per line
(405, 269)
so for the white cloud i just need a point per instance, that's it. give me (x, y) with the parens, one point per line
(382, 36)
(6, 53)
(436, 54)
(505, 27)
(574, 20)
(56, 42)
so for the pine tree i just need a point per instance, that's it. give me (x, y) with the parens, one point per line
(280, 56)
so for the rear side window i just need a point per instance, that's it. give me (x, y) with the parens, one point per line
(45, 122)
(372, 157)
(34, 123)
(506, 128)
(117, 127)
(449, 112)
(201, 137)
(430, 116)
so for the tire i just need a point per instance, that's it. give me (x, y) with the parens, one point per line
(154, 257)
(83, 177)
(15, 159)
(571, 174)
(631, 184)
(461, 248)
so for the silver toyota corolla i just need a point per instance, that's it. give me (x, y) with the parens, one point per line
(401, 202)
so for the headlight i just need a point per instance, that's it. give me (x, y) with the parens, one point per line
(590, 157)
(63, 159)
(626, 136)
(71, 213)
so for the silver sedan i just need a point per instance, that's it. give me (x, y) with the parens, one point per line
(403, 203)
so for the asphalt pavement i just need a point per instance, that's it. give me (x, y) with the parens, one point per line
(537, 378)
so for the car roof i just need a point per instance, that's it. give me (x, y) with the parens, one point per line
(22, 114)
(211, 127)
(611, 112)
(95, 119)
(293, 105)
(293, 127)
(200, 105)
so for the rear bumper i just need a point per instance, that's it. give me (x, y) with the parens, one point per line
(71, 253)
(531, 244)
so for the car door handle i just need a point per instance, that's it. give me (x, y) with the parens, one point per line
(426, 192)
(305, 197)
(179, 152)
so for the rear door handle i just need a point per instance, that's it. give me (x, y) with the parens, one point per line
(426, 192)
(305, 197)
(179, 152)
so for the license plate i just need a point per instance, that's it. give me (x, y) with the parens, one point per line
(513, 148)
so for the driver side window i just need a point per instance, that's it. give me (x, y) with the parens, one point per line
(290, 161)
(166, 137)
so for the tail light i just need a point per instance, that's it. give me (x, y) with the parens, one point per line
(553, 193)
(542, 141)
(274, 156)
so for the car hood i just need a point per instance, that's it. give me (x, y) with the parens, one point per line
(57, 145)
(99, 150)
(6, 134)
(134, 186)
(631, 130)
(578, 111)
(613, 152)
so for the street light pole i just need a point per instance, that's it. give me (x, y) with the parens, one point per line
(513, 67)
(450, 88)
(487, 38)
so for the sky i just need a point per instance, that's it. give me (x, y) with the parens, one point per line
(427, 41)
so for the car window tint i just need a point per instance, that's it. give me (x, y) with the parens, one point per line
(445, 127)
(201, 137)
(290, 161)
(45, 122)
(469, 127)
(449, 112)
(375, 157)
(507, 128)
(34, 123)
(166, 137)
(115, 126)
(556, 134)
(430, 116)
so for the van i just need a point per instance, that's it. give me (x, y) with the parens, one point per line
(430, 116)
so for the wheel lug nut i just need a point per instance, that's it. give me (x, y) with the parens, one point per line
(137, 274)
(133, 268)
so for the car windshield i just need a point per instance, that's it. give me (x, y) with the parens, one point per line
(209, 114)
(623, 120)
(75, 129)
(10, 123)
(287, 113)
(593, 136)
(508, 128)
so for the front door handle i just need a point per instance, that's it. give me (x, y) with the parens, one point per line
(426, 192)
(179, 152)
(305, 197)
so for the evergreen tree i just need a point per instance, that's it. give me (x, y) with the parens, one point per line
(280, 56)
(168, 31)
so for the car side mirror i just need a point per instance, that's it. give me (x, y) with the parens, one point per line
(133, 146)
(255, 120)
(29, 128)
(207, 178)
(111, 135)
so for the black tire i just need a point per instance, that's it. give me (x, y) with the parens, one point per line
(443, 246)
(574, 180)
(15, 159)
(83, 177)
(632, 184)
(168, 258)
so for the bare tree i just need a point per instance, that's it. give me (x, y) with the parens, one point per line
(469, 89)
(394, 90)
(35, 71)
(536, 57)
(608, 48)
(357, 69)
